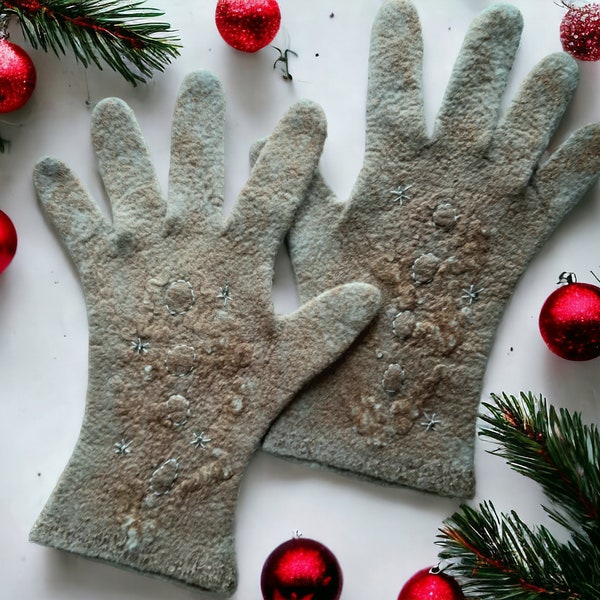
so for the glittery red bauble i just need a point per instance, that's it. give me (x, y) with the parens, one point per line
(301, 569)
(248, 25)
(425, 585)
(8, 240)
(570, 321)
(580, 31)
(17, 76)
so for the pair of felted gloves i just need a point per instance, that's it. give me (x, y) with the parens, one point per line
(402, 287)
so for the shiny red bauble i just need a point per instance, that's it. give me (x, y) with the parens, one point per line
(301, 569)
(580, 31)
(17, 76)
(8, 240)
(427, 584)
(248, 25)
(570, 321)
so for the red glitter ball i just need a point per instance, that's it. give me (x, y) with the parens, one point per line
(580, 31)
(17, 76)
(425, 585)
(8, 240)
(248, 25)
(301, 569)
(570, 321)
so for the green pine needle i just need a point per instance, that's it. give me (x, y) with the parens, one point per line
(123, 35)
(554, 449)
(499, 557)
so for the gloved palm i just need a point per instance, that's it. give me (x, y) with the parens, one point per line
(444, 225)
(188, 363)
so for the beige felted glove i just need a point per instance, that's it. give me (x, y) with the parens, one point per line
(444, 225)
(188, 365)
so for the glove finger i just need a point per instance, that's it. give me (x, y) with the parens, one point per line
(570, 172)
(310, 234)
(196, 176)
(319, 199)
(318, 194)
(533, 116)
(472, 100)
(77, 219)
(310, 238)
(125, 165)
(395, 112)
(278, 182)
(312, 337)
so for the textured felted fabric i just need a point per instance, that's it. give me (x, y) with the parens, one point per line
(444, 224)
(188, 365)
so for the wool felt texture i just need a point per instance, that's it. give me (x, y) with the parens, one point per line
(444, 224)
(188, 364)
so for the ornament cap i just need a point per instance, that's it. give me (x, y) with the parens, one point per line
(567, 277)
(4, 21)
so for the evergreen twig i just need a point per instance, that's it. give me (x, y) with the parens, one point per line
(115, 32)
(500, 557)
(554, 449)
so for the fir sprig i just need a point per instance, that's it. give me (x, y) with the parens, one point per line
(123, 35)
(554, 449)
(498, 556)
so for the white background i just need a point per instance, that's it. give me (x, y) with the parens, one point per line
(380, 535)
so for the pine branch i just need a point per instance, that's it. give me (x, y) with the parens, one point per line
(99, 31)
(553, 449)
(500, 557)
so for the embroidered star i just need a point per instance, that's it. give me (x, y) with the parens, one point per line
(225, 295)
(200, 440)
(430, 422)
(471, 295)
(122, 448)
(139, 346)
(400, 193)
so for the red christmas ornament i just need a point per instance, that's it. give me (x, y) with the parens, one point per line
(248, 25)
(301, 569)
(570, 320)
(430, 584)
(580, 31)
(17, 76)
(8, 240)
